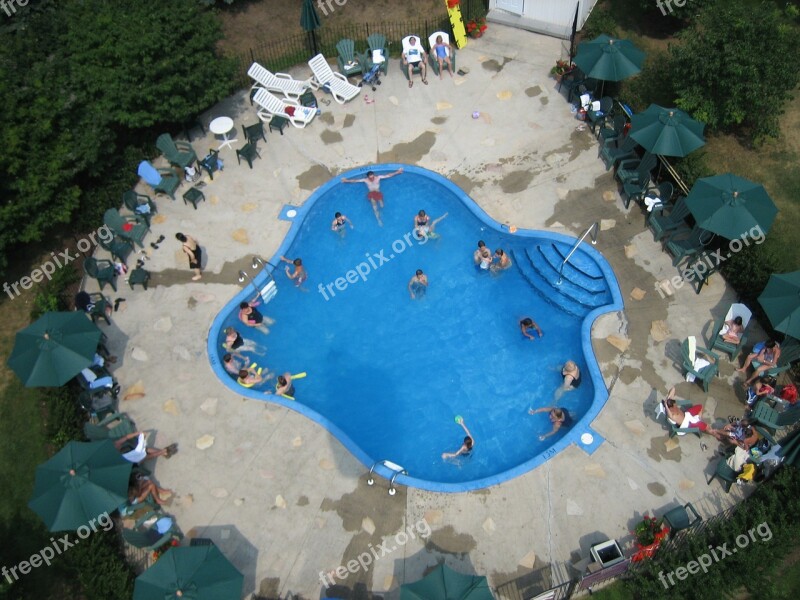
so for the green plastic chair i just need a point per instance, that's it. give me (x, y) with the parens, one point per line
(348, 56)
(687, 243)
(112, 427)
(633, 170)
(606, 133)
(119, 248)
(773, 419)
(432, 53)
(678, 518)
(676, 429)
(614, 151)
(253, 132)
(180, 154)
(248, 152)
(135, 202)
(193, 196)
(99, 305)
(101, 270)
(377, 41)
(706, 374)
(133, 228)
(599, 117)
(210, 163)
(724, 473)
(146, 537)
(663, 221)
(735, 310)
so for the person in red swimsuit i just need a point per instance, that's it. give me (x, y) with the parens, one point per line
(374, 194)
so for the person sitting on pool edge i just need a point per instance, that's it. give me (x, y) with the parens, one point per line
(482, 256)
(501, 261)
(338, 223)
(559, 417)
(527, 324)
(572, 375)
(299, 276)
(284, 386)
(466, 447)
(418, 285)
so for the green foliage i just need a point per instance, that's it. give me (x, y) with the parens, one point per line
(600, 21)
(653, 85)
(669, 8)
(728, 71)
(100, 568)
(748, 271)
(64, 418)
(53, 295)
(692, 167)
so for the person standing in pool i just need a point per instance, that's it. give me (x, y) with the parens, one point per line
(192, 249)
(424, 228)
(418, 285)
(501, 261)
(338, 224)
(374, 194)
(572, 375)
(559, 417)
(234, 363)
(284, 386)
(482, 256)
(299, 276)
(253, 376)
(527, 325)
(466, 447)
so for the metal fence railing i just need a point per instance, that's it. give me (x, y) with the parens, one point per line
(294, 49)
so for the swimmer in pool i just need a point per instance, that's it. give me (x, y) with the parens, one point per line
(250, 316)
(338, 224)
(418, 285)
(482, 256)
(466, 447)
(299, 275)
(374, 194)
(527, 325)
(284, 386)
(559, 417)
(252, 376)
(572, 375)
(424, 228)
(501, 261)
(234, 364)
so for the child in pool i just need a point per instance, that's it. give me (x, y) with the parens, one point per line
(466, 447)
(482, 256)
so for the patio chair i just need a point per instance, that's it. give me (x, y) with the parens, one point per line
(280, 83)
(101, 270)
(112, 427)
(119, 248)
(614, 151)
(139, 204)
(790, 352)
(586, 86)
(163, 181)
(692, 365)
(662, 224)
(376, 42)
(633, 170)
(211, 163)
(133, 228)
(350, 63)
(179, 154)
(335, 83)
(432, 53)
(151, 531)
(772, 419)
(271, 106)
(687, 243)
(678, 518)
(599, 116)
(735, 310)
(406, 43)
(723, 472)
(606, 133)
(95, 305)
(248, 152)
(97, 381)
(675, 428)
(253, 132)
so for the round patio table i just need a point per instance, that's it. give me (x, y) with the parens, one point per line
(222, 126)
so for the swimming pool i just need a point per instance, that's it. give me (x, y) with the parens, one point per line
(387, 374)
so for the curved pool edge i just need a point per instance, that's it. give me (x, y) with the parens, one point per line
(572, 436)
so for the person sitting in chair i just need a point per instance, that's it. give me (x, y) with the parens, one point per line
(683, 418)
(414, 55)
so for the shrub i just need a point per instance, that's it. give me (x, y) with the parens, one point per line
(53, 295)
(599, 21)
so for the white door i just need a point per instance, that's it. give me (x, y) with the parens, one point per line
(512, 6)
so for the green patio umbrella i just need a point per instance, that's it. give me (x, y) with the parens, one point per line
(190, 573)
(445, 584)
(781, 301)
(81, 482)
(309, 21)
(667, 131)
(609, 59)
(54, 349)
(731, 206)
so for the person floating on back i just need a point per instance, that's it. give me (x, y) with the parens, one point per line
(374, 194)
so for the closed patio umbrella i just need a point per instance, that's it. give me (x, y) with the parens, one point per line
(781, 301)
(309, 21)
(731, 206)
(443, 583)
(81, 482)
(54, 349)
(667, 131)
(190, 573)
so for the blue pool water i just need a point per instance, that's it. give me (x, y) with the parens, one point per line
(387, 374)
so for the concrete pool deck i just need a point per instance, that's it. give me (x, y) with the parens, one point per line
(282, 498)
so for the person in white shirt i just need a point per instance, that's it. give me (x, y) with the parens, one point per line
(412, 56)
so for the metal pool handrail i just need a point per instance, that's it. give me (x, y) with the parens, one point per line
(593, 228)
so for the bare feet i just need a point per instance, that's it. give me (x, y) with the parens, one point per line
(410, 83)
(197, 277)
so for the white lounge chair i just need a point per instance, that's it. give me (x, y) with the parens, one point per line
(337, 83)
(432, 53)
(282, 83)
(271, 106)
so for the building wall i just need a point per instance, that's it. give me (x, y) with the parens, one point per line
(552, 17)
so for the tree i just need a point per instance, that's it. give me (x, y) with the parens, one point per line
(730, 68)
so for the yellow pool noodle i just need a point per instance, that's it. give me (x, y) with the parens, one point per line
(288, 397)
(299, 375)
